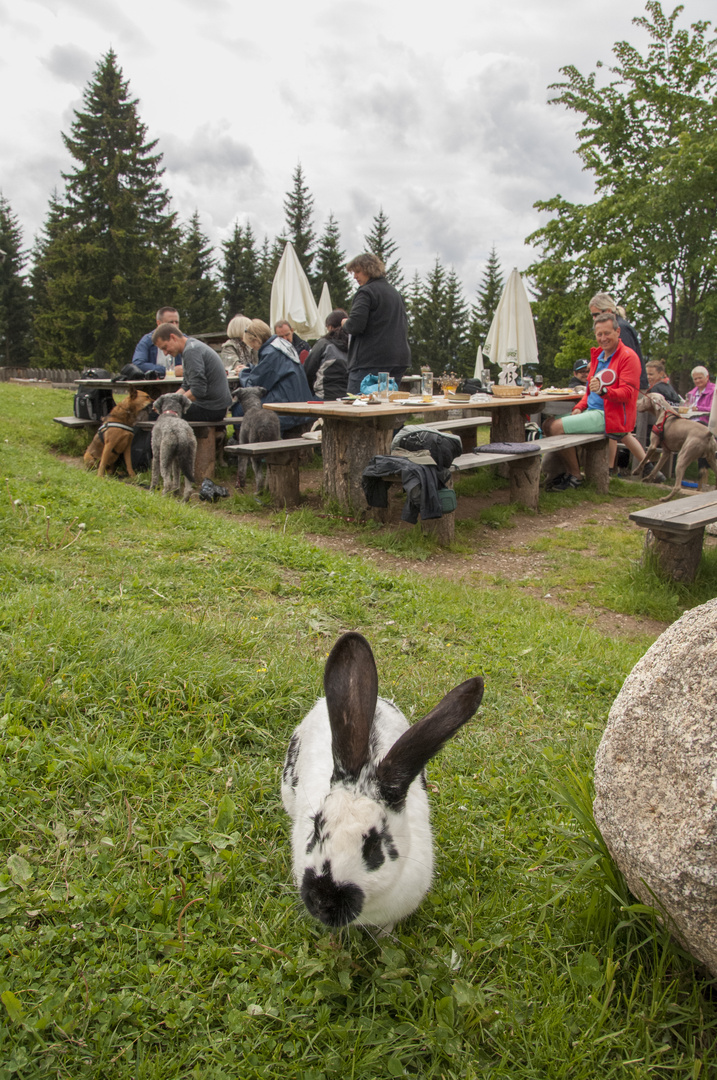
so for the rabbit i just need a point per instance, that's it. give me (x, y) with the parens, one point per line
(354, 786)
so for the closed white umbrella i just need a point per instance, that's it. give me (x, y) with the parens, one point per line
(292, 299)
(325, 305)
(511, 340)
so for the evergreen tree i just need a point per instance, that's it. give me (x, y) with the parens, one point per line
(15, 317)
(432, 331)
(488, 295)
(380, 243)
(102, 264)
(269, 256)
(200, 301)
(456, 328)
(241, 275)
(330, 266)
(413, 298)
(299, 210)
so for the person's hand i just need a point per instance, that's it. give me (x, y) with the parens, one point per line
(343, 321)
(594, 386)
(575, 412)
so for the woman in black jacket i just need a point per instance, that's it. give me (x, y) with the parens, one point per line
(377, 325)
(326, 365)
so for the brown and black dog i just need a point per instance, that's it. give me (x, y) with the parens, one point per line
(117, 440)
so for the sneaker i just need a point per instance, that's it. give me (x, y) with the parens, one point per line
(659, 477)
(550, 486)
(566, 482)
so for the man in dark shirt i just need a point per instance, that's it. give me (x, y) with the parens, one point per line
(580, 374)
(204, 376)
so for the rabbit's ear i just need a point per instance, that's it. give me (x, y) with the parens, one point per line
(408, 755)
(351, 685)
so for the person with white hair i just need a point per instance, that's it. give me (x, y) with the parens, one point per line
(700, 397)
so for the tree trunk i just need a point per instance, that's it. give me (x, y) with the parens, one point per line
(525, 481)
(206, 453)
(347, 448)
(678, 554)
(596, 466)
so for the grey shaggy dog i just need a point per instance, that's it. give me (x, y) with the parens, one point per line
(258, 425)
(174, 445)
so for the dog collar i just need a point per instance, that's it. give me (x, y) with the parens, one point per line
(170, 412)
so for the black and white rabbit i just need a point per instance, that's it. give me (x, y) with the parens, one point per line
(354, 787)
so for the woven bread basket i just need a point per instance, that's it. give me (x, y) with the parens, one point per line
(507, 391)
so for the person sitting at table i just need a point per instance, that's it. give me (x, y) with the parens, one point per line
(658, 383)
(325, 366)
(278, 370)
(285, 330)
(146, 356)
(609, 407)
(603, 304)
(377, 325)
(700, 397)
(235, 352)
(580, 375)
(204, 378)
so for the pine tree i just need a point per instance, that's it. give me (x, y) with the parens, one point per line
(241, 275)
(431, 329)
(483, 310)
(413, 299)
(380, 243)
(456, 328)
(200, 302)
(329, 265)
(268, 261)
(15, 317)
(103, 265)
(299, 210)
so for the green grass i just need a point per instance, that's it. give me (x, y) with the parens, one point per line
(154, 663)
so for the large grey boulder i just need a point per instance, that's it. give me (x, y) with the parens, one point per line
(656, 780)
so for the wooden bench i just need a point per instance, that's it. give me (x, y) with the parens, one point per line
(524, 468)
(282, 457)
(676, 531)
(207, 449)
(524, 473)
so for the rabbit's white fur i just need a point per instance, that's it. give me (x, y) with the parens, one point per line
(362, 847)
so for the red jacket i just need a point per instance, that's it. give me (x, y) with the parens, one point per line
(621, 397)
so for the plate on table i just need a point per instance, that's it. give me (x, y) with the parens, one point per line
(425, 404)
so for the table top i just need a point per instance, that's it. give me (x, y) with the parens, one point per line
(341, 411)
(170, 383)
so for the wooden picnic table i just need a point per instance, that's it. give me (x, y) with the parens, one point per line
(354, 434)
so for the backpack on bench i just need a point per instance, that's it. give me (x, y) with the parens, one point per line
(93, 404)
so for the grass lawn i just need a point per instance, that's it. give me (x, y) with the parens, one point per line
(155, 657)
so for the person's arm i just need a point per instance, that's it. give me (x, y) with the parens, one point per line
(141, 352)
(360, 311)
(627, 384)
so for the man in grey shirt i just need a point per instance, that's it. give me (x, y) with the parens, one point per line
(204, 380)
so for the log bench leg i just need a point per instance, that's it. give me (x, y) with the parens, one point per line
(678, 554)
(282, 477)
(206, 453)
(524, 478)
(596, 466)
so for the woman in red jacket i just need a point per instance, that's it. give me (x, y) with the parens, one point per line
(609, 404)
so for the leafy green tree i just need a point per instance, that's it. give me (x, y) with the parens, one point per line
(330, 266)
(649, 138)
(299, 210)
(102, 263)
(15, 316)
(380, 243)
(241, 275)
(200, 306)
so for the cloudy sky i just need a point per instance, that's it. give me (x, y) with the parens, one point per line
(437, 113)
